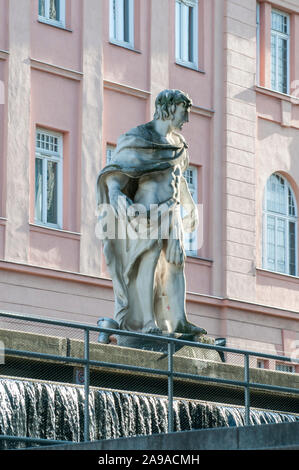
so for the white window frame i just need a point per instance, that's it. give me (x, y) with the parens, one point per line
(48, 20)
(279, 217)
(279, 366)
(285, 36)
(57, 157)
(191, 247)
(182, 33)
(116, 23)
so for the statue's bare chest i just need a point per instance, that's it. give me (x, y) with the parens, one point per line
(159, 187)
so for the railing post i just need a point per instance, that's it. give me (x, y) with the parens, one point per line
(170, 387)
(247, 389)
(86, 385)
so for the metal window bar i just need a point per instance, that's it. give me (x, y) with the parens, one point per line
(169, 373)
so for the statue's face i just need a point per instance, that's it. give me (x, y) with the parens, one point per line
(181, 116)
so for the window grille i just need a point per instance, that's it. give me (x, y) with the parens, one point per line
(279, 227)
(284, 367)
(48, 178)
(280, 45)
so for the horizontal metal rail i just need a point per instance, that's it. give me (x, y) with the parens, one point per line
(147, 370)
(169, 372)
(157, 338)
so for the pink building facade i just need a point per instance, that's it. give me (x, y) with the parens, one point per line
(75, 75)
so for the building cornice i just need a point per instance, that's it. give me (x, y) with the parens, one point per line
(192, 297)
(126, 89)
(144, 94)
(54, 231)
(56, 69)
(202, 111)
(239, 304)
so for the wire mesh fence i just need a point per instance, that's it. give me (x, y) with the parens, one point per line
(59, 384)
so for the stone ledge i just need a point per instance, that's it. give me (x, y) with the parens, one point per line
(33, 342)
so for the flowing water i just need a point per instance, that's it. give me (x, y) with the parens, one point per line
(56, 411)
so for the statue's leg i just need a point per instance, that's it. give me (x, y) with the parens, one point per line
(175, 288)
(145, 290)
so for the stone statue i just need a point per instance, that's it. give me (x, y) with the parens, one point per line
(140, 194)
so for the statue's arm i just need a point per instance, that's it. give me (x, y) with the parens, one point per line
(116, 182)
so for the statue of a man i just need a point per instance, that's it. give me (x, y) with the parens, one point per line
(145, 177)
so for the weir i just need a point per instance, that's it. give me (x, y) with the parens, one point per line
(55, 411)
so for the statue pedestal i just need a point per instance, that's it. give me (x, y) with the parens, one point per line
(162, 346)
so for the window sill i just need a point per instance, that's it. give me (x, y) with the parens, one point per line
(277, 94)
(4, 54)
(47, 230)
(193, 259)
(276, 275)
(189, 65)
(124, 45)
(54, 25)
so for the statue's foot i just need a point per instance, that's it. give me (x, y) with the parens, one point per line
(151, 329)
(188, 328)
(154, 331)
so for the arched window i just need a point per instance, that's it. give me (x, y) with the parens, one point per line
(279, 226)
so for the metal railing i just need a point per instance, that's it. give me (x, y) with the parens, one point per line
(170, 373)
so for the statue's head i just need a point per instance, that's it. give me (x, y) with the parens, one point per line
(167, 102)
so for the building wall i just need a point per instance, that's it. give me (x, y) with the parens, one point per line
(277, 140)
(76, 81)
(239, 149)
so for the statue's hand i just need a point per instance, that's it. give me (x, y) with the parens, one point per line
(175, 253)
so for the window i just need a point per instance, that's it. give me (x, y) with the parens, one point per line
(52, 12)
(280, 227)
(280, 45)
(284, 367)
(190, 239)
(187, 32)
(122, 22)
(48, 178)
(109, 153)
(262, 364)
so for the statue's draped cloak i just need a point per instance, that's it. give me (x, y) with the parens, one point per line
(139, 152)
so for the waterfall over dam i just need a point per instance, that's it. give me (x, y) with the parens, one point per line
(56, 411)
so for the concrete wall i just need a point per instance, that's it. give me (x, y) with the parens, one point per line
(267, 436)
